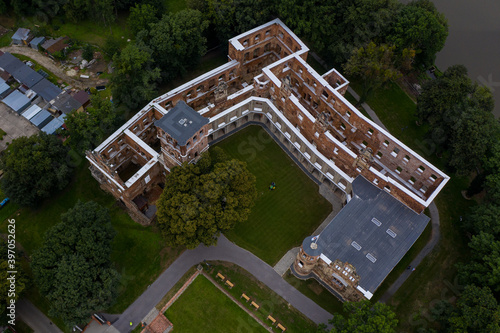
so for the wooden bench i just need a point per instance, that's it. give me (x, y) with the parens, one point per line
(273, 321)
(229, 284)
(245, 297)
(281, 327)
(220, 276)
(255, 305)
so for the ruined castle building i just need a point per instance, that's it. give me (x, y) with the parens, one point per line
(268, 81)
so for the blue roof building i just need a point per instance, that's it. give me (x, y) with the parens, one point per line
(17, 101)
(31, 111)
(22, 36)
(41, 119)
(36, 42)
(52, 126)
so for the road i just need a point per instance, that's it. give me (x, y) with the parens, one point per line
(35, 318)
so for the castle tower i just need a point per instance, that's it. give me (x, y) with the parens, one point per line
(183, 134)
(308, 256)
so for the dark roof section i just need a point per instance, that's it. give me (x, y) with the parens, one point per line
(66, 103)
(46, 89)
(82, 97)
(181, 123)
(386, 239)
(19, 70)
(54, 45)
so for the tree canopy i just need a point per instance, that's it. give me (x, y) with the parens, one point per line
(34, 167)
(365, 317)
(374, 65)
(176, 41)
(476, 312)
(204, 199)
(136, 76)
(421, 27)
(73, 268)
(85, 130)
(141, 16)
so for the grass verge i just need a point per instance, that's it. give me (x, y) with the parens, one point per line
(281, 218)
(270, 303)
(204, 308)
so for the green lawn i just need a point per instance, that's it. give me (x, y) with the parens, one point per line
(22, 327)
(434, 276)
(139, 253)
(268, 300)
(204, 308)
(6, 39)
(281, 218)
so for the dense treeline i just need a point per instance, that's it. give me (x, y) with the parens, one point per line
(464, 130)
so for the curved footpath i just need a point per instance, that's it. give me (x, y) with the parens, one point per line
(225, 251)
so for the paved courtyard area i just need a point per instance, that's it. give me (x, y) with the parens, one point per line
(14, 125)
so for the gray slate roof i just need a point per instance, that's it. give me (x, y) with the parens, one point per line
(354, 223)
(19, 70)
(66, 103)
(182, 122)
(46, 89)
(17, 101)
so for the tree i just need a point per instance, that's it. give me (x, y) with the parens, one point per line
(483, 269)
(73, 268)
(88, 52)
(34, 168)
(232, 17)
(176, 41)
(485, 218)
(363, 317)
(85, 130)
(476, 312)
(374, 66)
(111, 47)
(202, 200)
(421, 27)
(135, 78)
(141, 16)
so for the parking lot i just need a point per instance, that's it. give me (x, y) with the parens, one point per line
(14, 125)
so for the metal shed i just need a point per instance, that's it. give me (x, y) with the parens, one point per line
(31, 111)
(41, 119)
(46, 89)
(4, 88)
(21, 36)
(17, 101)
(52, 126)
(36, 42)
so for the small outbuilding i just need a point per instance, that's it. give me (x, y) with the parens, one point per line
(65, 103)
(31, 111)
(46, 89)
(17, 101)
(4, 88)
(52, 126)
(37, 42)
(21, 36)
(55, 45)
(83, 98)
(41, 119)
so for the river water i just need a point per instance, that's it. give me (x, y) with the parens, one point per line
(473, 40)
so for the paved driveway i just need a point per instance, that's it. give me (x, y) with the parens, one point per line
(14, 125)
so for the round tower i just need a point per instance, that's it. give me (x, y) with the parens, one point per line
(308, 256)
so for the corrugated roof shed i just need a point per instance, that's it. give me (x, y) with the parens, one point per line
(182, 122)
(21, 34)
(54, 45)
(52, 126)
(66, 103)
(4, 87)
(31, 111)
(46, 89)
(16, 101)
(383, 228)
(41, 119)
(37, 41)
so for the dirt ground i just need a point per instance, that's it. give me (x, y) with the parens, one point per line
(14, 125)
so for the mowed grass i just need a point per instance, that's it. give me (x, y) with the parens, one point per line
(281, 218)
(204, 308)
(138, 252)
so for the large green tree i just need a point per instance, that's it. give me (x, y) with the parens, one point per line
(374, 66)
(204, 199)
(365, 317)
(421, 27)
(141, 16)
(135, 79)
(476, 312)
(85, 130)
(34, 168)
(73, 268)
(176, 41)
